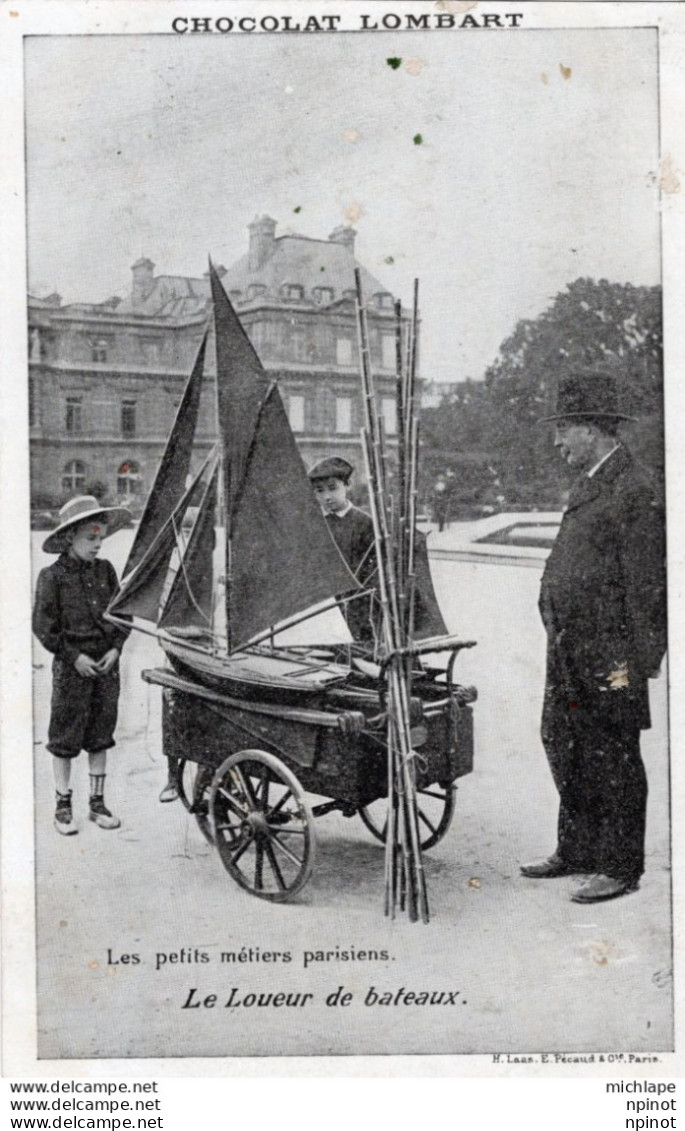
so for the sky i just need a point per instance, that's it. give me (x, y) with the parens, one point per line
(537, 164)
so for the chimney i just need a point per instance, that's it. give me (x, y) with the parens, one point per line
(344, 235)
(143, 271)
(262, 232)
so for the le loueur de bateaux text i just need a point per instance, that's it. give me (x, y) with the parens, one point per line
(230, 996)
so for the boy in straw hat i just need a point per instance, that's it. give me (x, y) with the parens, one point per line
(71, 597)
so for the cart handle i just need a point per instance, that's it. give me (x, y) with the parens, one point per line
(437, 644)
(434, 644)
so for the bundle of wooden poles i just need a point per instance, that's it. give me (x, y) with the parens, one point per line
(393, 510)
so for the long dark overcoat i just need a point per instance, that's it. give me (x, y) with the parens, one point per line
(602, 602)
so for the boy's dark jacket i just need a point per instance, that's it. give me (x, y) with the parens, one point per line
(71, 597)
(603, 594)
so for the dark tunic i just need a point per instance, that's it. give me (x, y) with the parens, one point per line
(602, 602)
(353, 535)
(71, 597)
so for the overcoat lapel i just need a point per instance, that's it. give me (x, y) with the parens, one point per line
(584, 490)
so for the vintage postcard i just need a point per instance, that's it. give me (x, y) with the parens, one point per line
(341, 449)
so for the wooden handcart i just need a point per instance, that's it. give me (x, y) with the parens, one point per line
(244, 767)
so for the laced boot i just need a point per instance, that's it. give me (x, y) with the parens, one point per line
(98, 810)
(170, 791)
(64, 818)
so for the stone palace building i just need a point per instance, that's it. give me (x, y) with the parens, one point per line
(105, 379)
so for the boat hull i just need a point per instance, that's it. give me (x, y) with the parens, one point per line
(270, 677)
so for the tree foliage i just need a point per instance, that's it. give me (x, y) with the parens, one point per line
(597, 326)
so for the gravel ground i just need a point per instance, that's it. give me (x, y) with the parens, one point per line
(520, 967)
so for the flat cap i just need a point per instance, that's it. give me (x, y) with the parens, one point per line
(333, 467)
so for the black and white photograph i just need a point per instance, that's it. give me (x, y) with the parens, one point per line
(345, 618)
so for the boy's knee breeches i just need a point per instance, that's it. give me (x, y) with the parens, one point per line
(83, 711)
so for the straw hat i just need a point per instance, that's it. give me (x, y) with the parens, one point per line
(80, 510)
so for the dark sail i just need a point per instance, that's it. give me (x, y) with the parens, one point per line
(284, 558)
(241, 385)
(142, 590)
(174, 468)
(428, 619)
(191, 594)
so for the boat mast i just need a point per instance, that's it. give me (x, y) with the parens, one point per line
(224, 526)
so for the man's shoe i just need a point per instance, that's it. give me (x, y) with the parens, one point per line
(599, 888)
(64, 819)
(548, 869)
(101, 814)
(169, 793)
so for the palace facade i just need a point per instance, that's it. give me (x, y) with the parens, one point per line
(105, 379)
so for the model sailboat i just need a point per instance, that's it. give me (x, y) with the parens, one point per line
(234, 570)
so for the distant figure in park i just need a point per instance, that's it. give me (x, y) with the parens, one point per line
(603, 604)
(71, 596)
(440, 503)
(352, 531)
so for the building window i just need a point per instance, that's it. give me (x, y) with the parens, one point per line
(73, 418)
(74, 477)
(35, 345)
(128, 479)
(292, 291)
(253, 291)
(300, 346)
(99, 351)
(343, 415)
(128, 418)
(296, 412)
(322, 295)
(388, 351)
(151, 350)
(383, 300)
(33, 415)
(343, 351)
(389, 413)
(256, 332)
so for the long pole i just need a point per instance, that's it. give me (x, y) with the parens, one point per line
(402, 835)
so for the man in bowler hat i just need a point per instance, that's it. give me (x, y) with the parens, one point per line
(603, 605)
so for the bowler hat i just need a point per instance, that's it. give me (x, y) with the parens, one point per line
(79, 510)
(333, 467)
(587, 395)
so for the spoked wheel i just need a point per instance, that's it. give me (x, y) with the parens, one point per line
(194, 787)
(262, 824)
(435, 806)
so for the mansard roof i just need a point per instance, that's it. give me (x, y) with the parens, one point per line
(291, 260)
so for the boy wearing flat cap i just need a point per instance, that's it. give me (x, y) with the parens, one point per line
(352, 531)
(603, 605)
(71, 597)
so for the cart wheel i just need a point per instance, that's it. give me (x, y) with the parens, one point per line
(194, 784)
(262, 824)
(435, 806)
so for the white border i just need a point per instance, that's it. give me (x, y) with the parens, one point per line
(125, 17)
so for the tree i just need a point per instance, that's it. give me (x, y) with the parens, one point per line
(457, 443)
(599, 326)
